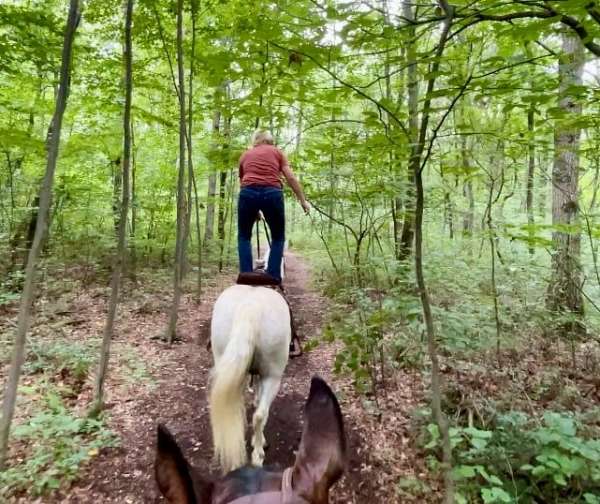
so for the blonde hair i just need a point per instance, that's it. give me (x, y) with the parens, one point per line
(262, 137)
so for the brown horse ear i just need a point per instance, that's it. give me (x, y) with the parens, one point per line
(174, 474)
(321, 458)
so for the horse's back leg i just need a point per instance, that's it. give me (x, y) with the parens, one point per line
(268, 390)
(255, 388)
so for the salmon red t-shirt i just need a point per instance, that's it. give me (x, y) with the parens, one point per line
(262, 165)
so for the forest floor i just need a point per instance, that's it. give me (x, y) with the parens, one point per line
(151, 382)
(168, 384)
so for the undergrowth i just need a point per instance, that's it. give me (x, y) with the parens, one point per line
(491, 361)
(58, 443)
(520, 459)
(53, 437)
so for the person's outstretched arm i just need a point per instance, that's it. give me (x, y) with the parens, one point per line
(296, 187)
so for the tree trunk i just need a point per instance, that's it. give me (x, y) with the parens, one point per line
(199, 239)
(190, 181)
(449, 214)
(596, 163)
(181, 203)
(297, 142)
(132, 249)
(530, 177)
(417, 165)
(192, 178)
(232, 198)
(212, 183)
(448, 205)
(124, 209)
(27, 297)
(31, 226)
(564, 291)
(222, 214)
(117, 190)
(469, 215)
(407, 235)
(595, 185)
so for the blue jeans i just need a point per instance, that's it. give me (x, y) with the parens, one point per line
(269, 200)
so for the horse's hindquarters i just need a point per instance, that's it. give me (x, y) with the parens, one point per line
(250, 326)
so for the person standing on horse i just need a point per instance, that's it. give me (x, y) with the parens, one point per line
(262, 168)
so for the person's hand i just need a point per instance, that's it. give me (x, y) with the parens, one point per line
(305, 206)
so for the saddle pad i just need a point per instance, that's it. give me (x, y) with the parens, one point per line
(255, 278)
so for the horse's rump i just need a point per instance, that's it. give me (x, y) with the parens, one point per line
(250, 327)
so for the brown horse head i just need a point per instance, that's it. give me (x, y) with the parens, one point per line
(320, 462)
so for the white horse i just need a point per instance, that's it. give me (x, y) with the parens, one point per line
(250, 332)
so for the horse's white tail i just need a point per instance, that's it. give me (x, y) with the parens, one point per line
(227, 407)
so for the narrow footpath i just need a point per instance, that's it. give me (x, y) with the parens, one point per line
(178, 398)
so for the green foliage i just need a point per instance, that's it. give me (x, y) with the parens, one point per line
(378, 331)
(61, 357)
(59, 443)
(134, 368)
(331, 81)
(519, 460)
(9, 287)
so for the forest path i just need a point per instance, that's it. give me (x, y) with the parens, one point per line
(125, 474)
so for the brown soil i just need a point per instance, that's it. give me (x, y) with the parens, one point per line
(125, 474)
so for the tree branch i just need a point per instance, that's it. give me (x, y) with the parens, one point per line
(443, 119)
(380, 106)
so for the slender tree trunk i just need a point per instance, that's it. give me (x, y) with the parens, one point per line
(230, 215)
(181, 203)
(117, 190)
(132, 247)
(192, 180)
(417, 166)
(543, 181)
(596, 164)
(395, 201)
(297, 142)
(124, 209)
(448, 205)
(440, 417)
(595, 185)
(407, 235)
(27, 297)
(210, 209)
(564, 289)
(492, 241)
(530, 177)
(469, 216)
(30, 231)
(222, 214)
(212, 183)
(199, 239)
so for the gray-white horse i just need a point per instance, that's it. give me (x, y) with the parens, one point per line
(250, 333)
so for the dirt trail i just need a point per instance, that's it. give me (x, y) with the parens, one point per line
(125, 474)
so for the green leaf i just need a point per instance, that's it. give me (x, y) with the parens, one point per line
(495, 494)
(464, 472)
